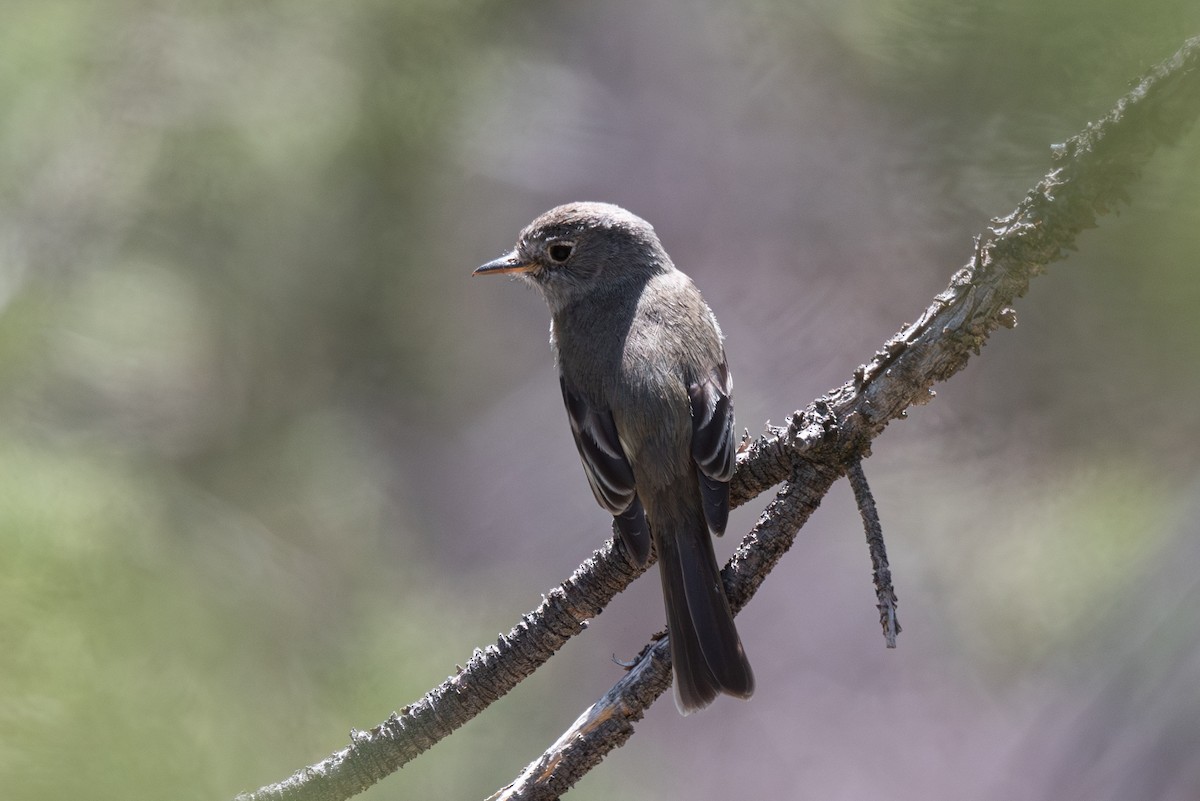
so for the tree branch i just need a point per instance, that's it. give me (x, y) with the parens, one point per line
(1092, 174)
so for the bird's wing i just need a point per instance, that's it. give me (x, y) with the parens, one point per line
(608, 470)
(711, 396)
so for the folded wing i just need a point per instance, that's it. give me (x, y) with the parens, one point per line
(608, 471)
(713, 450)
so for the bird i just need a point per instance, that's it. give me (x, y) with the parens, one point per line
(648, 394)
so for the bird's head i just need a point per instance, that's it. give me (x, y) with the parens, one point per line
(575, 250)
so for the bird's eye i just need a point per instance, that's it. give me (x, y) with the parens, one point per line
(560, 252)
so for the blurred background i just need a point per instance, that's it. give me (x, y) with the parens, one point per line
(271, 463)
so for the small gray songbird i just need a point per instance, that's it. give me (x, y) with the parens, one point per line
(648, 397)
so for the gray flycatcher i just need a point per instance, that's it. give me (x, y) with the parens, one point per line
(647, 392)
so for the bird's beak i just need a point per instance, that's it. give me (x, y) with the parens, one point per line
(508, 263)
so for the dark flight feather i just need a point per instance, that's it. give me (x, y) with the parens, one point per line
(713, 447)
(608, 471)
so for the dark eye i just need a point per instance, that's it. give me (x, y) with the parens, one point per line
(560, 251)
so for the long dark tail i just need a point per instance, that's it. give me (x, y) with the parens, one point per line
(705, 647)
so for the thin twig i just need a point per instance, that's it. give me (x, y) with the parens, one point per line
(880, 570)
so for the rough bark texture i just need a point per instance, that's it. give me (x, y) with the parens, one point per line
(1092, 173)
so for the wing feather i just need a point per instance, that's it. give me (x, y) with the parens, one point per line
(608, 470)
(713, 448)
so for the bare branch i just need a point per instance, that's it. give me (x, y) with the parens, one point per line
(1093, 172)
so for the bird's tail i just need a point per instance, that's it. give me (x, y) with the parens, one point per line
(705, 647)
